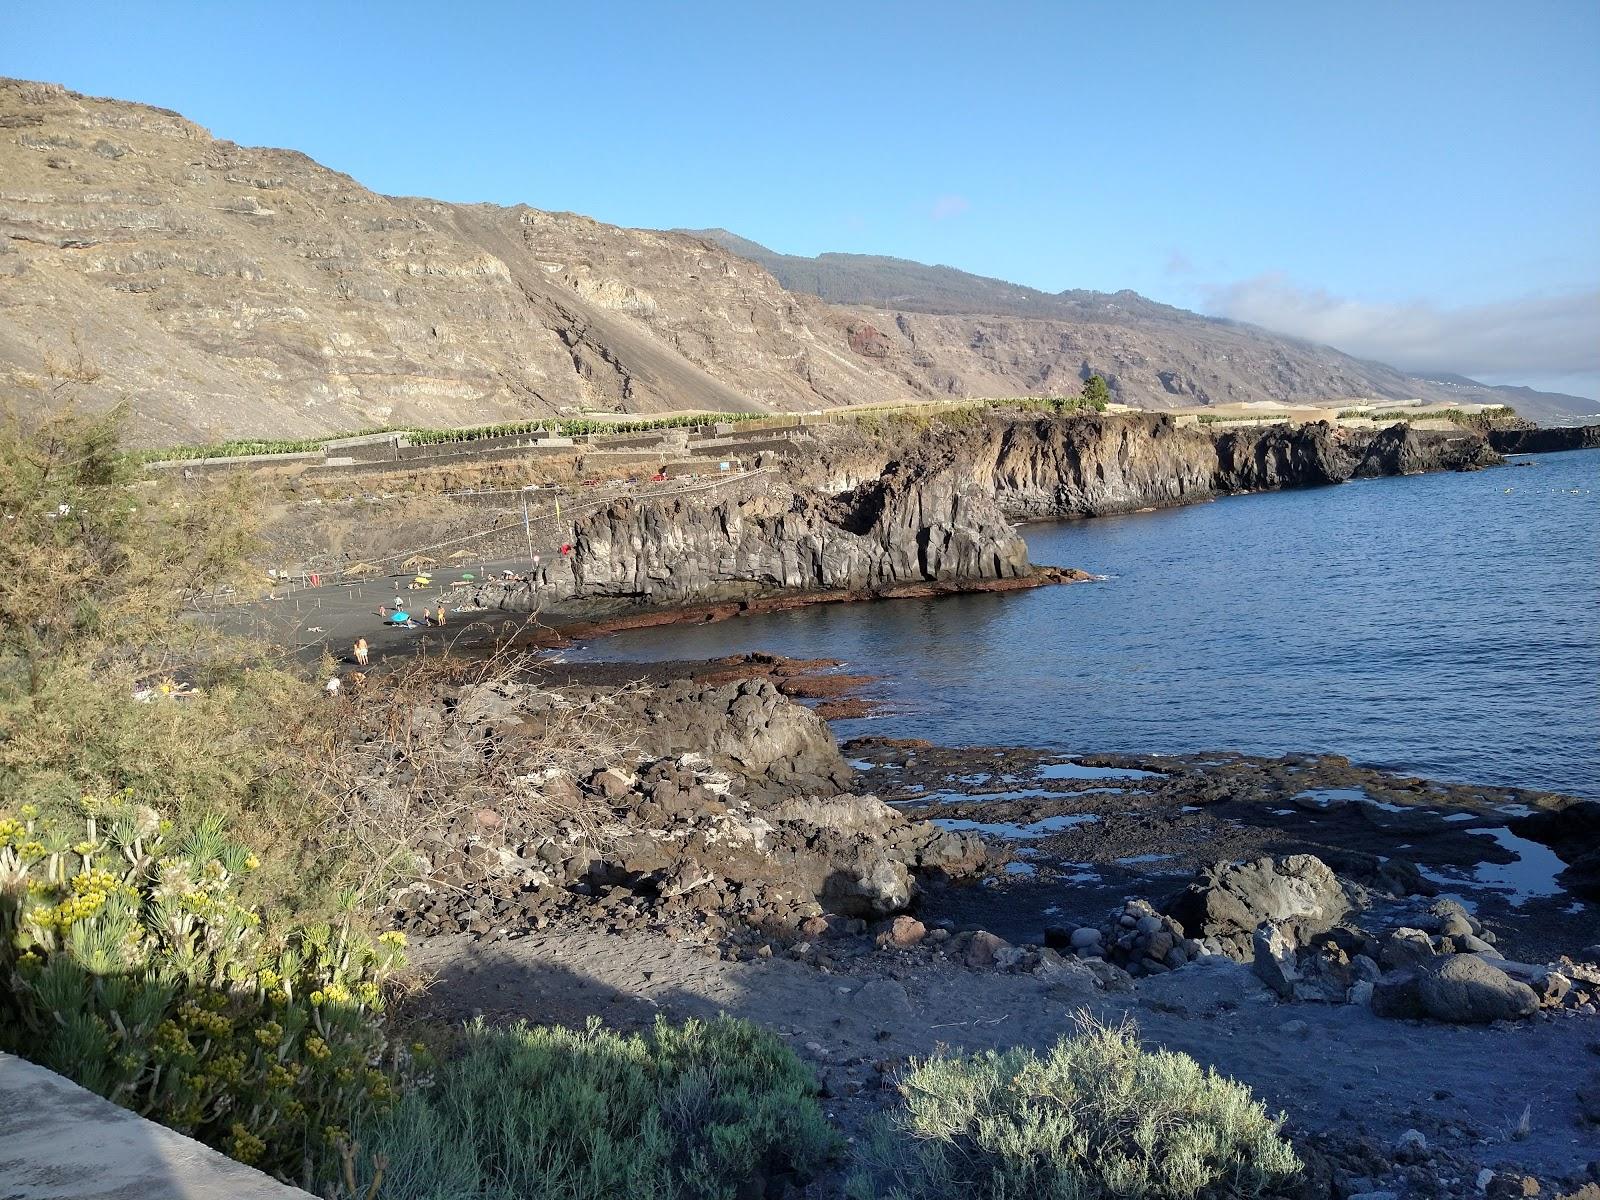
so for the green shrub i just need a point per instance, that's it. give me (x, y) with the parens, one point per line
(1094, 1117)
(132, 968)
(687, 1111)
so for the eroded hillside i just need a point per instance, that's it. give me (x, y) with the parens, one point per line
(223, 290)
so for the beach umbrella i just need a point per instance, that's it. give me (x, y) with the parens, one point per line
(399, 618)
(468, 575)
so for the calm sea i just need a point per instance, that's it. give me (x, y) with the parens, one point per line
(1445, 624)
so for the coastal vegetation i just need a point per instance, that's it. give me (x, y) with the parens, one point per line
(681, 1112)
(1094, 1117)
(557, 426)
(1093, 397)
(131, 966)
(1482, 419)
(1095, 394)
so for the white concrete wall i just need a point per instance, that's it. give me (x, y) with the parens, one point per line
(59, 1141)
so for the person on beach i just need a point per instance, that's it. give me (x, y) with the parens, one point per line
(427, 616)
(438, 617)
(361, 651)
(383, 611)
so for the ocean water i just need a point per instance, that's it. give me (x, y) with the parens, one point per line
(1447, 625)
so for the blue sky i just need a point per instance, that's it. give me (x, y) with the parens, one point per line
(1416, 182)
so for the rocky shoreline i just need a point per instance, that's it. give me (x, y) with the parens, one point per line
(699, 842)
(844, 515)
(1545, 441)
(507, 597)
(731, 856)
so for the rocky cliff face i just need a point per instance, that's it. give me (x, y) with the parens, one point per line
(1544, 441)
(914, 524)
(1094, 465)
(852, 514)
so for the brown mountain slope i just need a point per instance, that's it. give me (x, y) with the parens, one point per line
(1155, 355)
(224, 291)
(229, 291)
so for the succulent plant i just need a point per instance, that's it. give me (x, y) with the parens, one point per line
(132, 967)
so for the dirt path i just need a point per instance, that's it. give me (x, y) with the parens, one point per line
(1331, 1068)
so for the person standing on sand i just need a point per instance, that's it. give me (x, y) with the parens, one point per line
(440, 614)
(361, 651)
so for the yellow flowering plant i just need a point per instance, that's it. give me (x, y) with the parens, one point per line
(131, 966)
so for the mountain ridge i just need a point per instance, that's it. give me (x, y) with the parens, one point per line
(990, 296)
(226, 291)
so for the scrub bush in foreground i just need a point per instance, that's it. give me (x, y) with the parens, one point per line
(685, 1111)
(1093, 1118)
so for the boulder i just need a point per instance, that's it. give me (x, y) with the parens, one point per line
(613, 782)
(1406, 947)
(1411, 1147)
(1110, 976)
(1227, 902)
(1213, 984)
(1065, 978)
(878, 889)
(903, 933)
(1274, 954)
(1460, 988)
(984, 949)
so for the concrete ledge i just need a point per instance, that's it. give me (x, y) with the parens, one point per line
(59, 1141)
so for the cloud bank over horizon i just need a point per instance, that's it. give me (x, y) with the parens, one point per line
(1550, 341)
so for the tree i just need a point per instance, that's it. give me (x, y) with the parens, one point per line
(93, 564)
(1096, 394)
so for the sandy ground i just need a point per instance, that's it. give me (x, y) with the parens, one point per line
(1330, 1068)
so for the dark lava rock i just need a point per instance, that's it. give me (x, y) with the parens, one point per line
(1460, 989)
(1228, 901)
(1543, 441)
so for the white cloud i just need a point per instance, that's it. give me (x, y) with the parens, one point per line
(1533, 337)
(949, 206)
